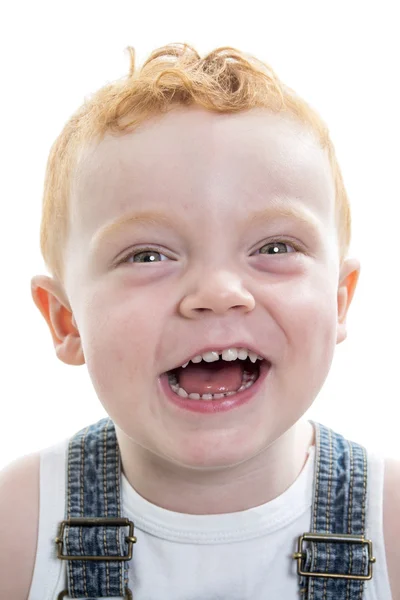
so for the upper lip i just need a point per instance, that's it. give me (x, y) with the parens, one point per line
(219, 348)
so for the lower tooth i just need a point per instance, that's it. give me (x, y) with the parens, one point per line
(194, 396)
(246, 385)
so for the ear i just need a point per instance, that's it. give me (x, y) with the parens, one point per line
(348, 278)
(50, 298)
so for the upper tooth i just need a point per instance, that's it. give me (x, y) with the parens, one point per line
(197, 358)
(229, 354)
(207, 356)
(253, 356)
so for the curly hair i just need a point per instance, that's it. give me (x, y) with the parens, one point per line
(224, 81)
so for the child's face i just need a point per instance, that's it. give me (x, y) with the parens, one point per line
(210, 286)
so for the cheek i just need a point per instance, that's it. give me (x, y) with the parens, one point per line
(308, 318)
(313, 322)
(311, 336)
(119, 339)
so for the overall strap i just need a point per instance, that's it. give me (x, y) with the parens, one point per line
(93, 527)
(334, 558)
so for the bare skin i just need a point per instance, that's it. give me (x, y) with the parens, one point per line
(213, 172)
(208, 285)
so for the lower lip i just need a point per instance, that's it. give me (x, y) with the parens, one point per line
(220, 405)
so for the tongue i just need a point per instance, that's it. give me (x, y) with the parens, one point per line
(211, 378)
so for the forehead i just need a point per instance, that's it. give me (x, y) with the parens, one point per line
(206, 161)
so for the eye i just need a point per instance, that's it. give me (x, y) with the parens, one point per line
(146, 255)
(276, 247)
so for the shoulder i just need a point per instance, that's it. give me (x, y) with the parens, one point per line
(19, 520)
(391, 522)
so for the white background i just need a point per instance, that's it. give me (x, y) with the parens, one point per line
(343, 57)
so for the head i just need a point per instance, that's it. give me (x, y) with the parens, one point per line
(212, 159)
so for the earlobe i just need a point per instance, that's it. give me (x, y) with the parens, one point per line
(349, 275)
(50, 299)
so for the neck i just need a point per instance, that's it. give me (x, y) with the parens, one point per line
(249, 484)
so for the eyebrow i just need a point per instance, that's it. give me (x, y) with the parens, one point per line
(140, 218)
(278, 209)
(285, 210)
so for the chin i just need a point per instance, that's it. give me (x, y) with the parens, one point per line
(220, 454)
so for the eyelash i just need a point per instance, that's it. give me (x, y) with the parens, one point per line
(140, 250)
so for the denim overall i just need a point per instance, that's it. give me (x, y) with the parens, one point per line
(333, 560)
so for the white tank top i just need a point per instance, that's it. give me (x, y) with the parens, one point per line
(240, 556)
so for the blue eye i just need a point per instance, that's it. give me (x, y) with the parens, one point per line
(148, 254)
(274, 248)
(146, 259)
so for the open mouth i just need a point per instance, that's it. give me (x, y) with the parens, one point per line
(213, 381)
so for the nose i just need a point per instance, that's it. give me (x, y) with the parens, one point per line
(218, 293)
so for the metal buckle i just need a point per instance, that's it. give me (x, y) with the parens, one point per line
(90, 522)
(128, 595)
(344, 538)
